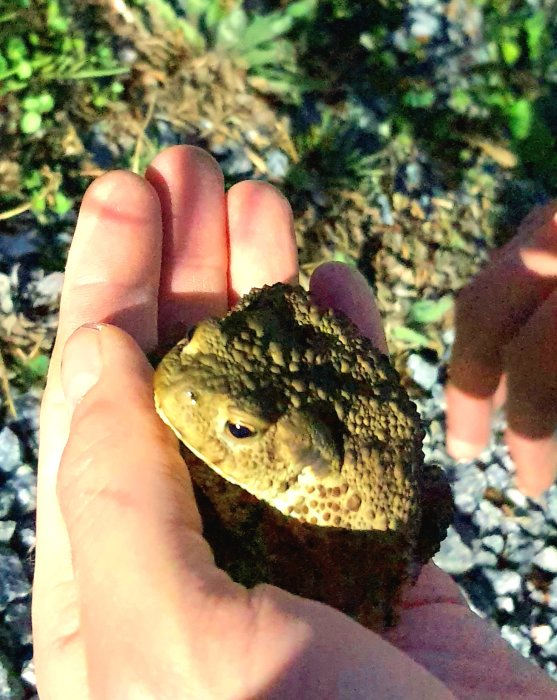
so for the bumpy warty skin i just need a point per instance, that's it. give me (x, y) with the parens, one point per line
(289, 402)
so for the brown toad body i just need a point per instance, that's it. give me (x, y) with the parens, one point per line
(289, 403)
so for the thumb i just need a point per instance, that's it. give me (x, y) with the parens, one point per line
(118, 449)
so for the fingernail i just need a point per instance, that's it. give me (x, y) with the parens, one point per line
(81, 363)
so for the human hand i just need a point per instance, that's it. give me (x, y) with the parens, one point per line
(504, 354)
(127, 600)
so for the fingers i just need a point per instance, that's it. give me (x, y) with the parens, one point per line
(137, 552)
(194, 273)
(262, 242)
(532, 400)
(112, 273)
(490, 312)
(343, 288)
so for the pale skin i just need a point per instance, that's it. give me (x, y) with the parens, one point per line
(127, 600)
(504, 354)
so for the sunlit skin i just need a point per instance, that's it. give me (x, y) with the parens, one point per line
(127, 600)
(504, 354)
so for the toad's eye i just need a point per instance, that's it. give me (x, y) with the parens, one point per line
(239, 431)
(189, 334)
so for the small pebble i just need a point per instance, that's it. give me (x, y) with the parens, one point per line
(18, 620)
(517, 638)
(7, 500)
(422, 372)
(454, 556)
(505, 604)
(487, 517)
(10, 451)
(10, 685)
(48, 289)
(13, 582)
(547, 559)
(6, 301)
(519, 548)
(7, 529)
(277, 164)
(504, 581)
(495, 543)
(541, 634)
(497, 477)
(23, 483)
(469, 488)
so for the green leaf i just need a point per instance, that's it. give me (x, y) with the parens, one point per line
(62, 204)
(263, 29)
(460, 100)
(30, 122)
(535, 27)
(419, 98)
(520, 118)
(192, 35)
(24, 70)
(510, 50)
(38, 366)
(30, 103)
(339, 256)
(429, 310)
(303, 9)
(38, 203)
(16, 50)
(231, 28)
(410, 336)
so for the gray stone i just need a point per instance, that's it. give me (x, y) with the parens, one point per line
(424, 24)
(454, 556)
(17, 619)
(6, 302)
(494, 543)
(7, 500)
(517, 639)
(552, 599)
(7, 529)
(386, 211)
(487, 517)
(517, 497)
(13, 582)
(28, 674)
(10, 451)
(534, 523)
(277, 164)
(469, 488)
(504, 581)
(497, 477)
(551, 501)
(10, 685)
(484, 557)
(23, 483)
(15, 246)
(26, 536)
(550, 647)
(547, 559)
(48, 289)
(520, 549)
(505, 604)
(541, 634)
(422, 372)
